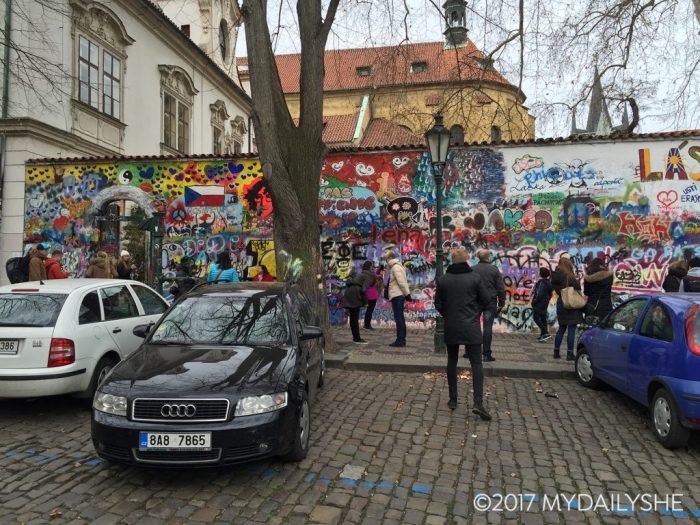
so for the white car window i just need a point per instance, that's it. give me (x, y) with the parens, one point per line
(90, 309)
(118, 303)
(151, 303)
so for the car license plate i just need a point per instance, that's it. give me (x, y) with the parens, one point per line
(9, 346)
(174, 441)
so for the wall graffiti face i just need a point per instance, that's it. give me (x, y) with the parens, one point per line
(637, 205)
(209, 207)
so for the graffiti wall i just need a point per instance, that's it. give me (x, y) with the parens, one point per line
(635, 204)
(209, 207)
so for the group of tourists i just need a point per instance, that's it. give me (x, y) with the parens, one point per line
(471, 298)
(42, 267)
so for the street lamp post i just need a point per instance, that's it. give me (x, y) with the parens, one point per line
(438, 140)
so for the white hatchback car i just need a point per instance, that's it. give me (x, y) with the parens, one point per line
(64, 336)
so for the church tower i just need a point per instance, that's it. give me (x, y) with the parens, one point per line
(456, 18)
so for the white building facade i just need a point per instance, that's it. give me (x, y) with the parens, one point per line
(115, 78)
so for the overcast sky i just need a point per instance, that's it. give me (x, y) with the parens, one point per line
(658, 73)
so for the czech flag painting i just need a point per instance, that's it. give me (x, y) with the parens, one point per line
(204, 196)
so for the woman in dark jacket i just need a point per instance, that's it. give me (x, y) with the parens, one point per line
(597, 286)
(354, 298)
(563, 277)
(676, 272)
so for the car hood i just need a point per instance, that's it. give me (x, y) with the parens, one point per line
(156, 370)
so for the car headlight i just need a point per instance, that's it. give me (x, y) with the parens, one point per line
(109, 404)
(249, 406)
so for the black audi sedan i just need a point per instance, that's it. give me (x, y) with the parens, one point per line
(227, 375)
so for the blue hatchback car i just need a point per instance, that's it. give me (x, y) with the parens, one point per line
(649, 349)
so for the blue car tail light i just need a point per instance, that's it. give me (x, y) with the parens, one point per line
(692, 329)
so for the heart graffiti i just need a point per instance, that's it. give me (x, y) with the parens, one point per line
(667, 198)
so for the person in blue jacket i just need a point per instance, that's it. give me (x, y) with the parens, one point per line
(223, 270)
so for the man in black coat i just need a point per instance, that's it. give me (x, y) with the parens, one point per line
(461, 297)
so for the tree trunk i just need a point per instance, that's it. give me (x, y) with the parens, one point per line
(292, 155)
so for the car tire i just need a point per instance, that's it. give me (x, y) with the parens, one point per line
(102, 368)
(322, 373)
(665, 420)
(584, 370)
(301, 435)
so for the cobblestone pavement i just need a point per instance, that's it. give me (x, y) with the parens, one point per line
(509, 348)
(385, 449)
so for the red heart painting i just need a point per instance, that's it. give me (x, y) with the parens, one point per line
(667, 198)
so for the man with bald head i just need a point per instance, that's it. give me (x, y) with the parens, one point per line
(497, 297)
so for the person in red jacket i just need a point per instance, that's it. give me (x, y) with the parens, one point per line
(53, 266)
(263, 275)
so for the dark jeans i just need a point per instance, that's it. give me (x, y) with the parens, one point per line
(474, 353)
(540, 318)
(489, 318)
(570, 338)
(397, 305)
(354, 314)
(368, 313)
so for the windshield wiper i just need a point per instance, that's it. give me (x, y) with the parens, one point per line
(22, 325)
(167, 343)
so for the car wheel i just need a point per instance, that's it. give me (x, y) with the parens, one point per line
(301, 434)
(667, 424)
(584, 370)
(322, 374)
(102, 368)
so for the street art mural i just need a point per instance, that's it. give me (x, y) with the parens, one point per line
(634, 204)
(208, 207)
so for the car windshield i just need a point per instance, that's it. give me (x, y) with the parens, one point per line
(30, 309)
(225, 320)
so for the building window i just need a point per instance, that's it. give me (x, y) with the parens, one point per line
(89, 61)
(178, 100)
(185, 28)
(111, 76)
(176, 123)
(223, 39)
(456, 135)
(495, 134)
(419, 67)
(218, 140)
(237, 147)
(364, 71)
(100, 44)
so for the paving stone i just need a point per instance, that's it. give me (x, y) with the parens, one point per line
(326, 515)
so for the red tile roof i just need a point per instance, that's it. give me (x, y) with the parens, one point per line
(384, 133)
(390, 65)
(337, 129)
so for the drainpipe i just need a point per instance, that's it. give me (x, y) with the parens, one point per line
(250, 136)
(5, 90)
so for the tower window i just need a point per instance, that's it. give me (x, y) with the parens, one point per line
(364, 71)
(495, 134)
(185, 29)
(419, 67)
(456, 135)
(223, 39)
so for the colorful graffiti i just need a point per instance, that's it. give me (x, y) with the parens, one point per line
(209, 207)
(637, 207)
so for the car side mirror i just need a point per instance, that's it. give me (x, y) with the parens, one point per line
(311, 332)
(142, 330)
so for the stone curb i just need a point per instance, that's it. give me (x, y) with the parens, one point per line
(341, 360)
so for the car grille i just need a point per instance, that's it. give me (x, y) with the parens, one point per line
(177, 456)
(207, 410)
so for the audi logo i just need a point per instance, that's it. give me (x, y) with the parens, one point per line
(178, 410)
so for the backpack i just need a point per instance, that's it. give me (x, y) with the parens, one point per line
(17, 269)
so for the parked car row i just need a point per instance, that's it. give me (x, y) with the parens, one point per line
(226, 374)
